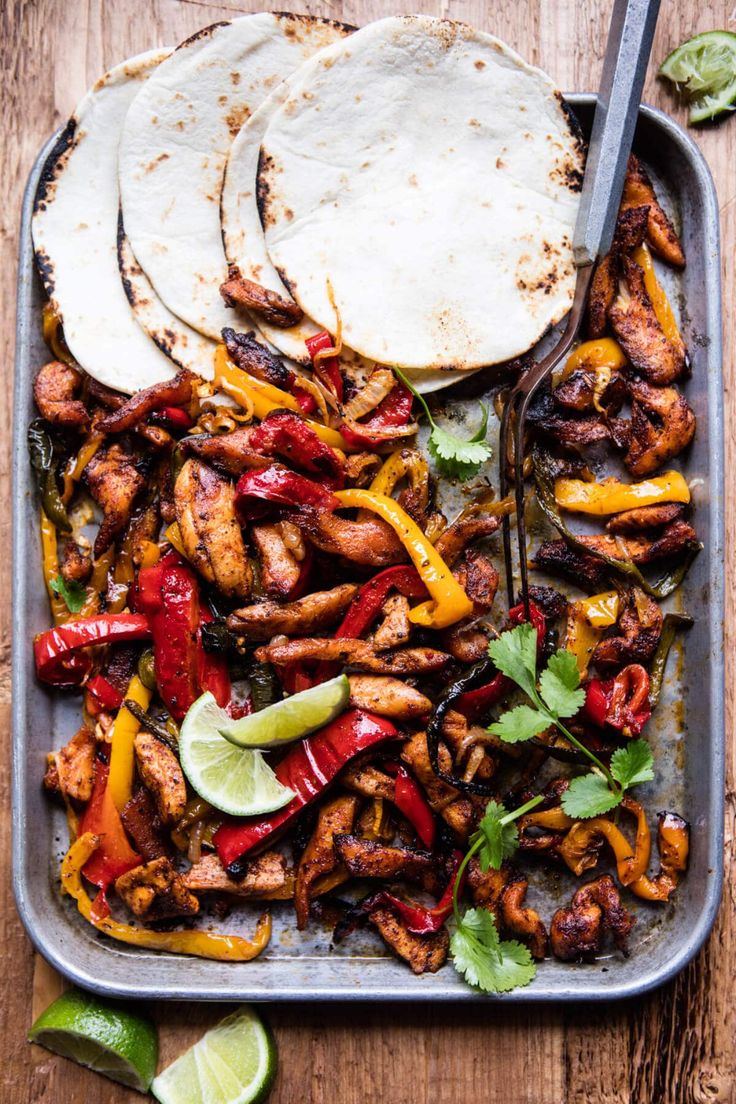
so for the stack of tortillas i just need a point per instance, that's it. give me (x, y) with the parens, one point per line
(415, 176)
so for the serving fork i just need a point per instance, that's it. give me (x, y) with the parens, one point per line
(624, 67)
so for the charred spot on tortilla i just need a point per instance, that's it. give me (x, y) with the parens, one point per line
(54, 165)
(203, 32)
(294, 24)
(45, 267)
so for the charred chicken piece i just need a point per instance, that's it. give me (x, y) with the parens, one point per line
(644, 517)
(638, 330)
(451, 544)
(280, 569)
(115, 479)
(210, 531)
(321, 855)
(630, 230)
(173, 392)
(71, 771)
(389, 697)
(639, 191)
(545, 415)
(662, 425)
(479, 579)
(354, 653)
(267, 877)
(639, 629)
(578, 393)
(519, 920)
(155, 891)
(395, 628)
(576, 931)
(254, 357)
(552, 604)
(366, 859)
(76, 565)
(368, 780)
(370, 543)
(237, 291)
(559, 558)
(54, 389)
(230, 452)
(144, 826)
(161, 774)
(312, 613)
(361, 467)
(424, 953)
(457, 811)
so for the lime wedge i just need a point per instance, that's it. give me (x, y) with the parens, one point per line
(108, 1038)
(292, 718)
(236, 780)
(704, 71)
(234, 1063)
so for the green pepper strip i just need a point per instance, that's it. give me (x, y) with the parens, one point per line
(665, 585)
(265, 688)
(41, 450)
(162, 734)
(672, 622)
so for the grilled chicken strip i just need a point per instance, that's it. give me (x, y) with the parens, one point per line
(155, 891)
(630, 230)
(545, 415)
(578, 393)
(389, 697)
(71, 771)
(173, 392)
(576, 931)
(366, 859)
(662, 425)
(161, 774)
(644, 517)
(479, 579)
(320, 855)
(639, 333)
(521, 921)
(237, 291)
(210, 531)
(254, 357)
(370, 543)
(268, 877)
(638, 191)
(639, 629)
(230, 452)
(395, 629)
(424, 953)
(76, 565)
(354, 653)
(280, 569)
(144, 826)
(312, 613)
(457, 811)
(115, 480)
(54, 389)
(456, 537)
(368, 781)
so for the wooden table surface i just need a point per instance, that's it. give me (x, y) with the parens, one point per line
(676, 1045)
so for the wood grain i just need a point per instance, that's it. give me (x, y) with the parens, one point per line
(673, 1047)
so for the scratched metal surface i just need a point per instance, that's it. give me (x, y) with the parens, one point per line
(686, 733)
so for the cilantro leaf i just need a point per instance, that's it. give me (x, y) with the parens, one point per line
(456, 457)
(484, 960)
(520, 723)
(73, 594)
(633, 764)
(499, 840)
(589, 796)
(559, 685)
(515, 655)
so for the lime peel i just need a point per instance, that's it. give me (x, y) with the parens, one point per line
(703, 69)
(290, 719)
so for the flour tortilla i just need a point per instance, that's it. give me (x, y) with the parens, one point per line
(173, 149)
(433, 177)
(74, 227)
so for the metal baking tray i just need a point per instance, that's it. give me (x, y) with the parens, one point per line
(688, 731)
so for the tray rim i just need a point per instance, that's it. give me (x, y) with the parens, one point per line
(56, 954)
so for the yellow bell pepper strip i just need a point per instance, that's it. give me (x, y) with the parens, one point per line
(264, 397)
(122, 756)
(449, 602)
(405, 463)
(604, 352)
(222, 948)
(149, 553)
(97, 582)
(76, 465)
(50, 555)
(655, 291)
(612, 496)
(586, 621)
(53, 336)
(577, 848)
(601, 610)
(173, 536)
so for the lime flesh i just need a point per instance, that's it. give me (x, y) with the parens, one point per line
(704, 70)
(109, 1039)
(292, 718)
(235, 780)
(234, 1063)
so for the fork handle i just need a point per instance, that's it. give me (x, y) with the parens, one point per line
(624, 67)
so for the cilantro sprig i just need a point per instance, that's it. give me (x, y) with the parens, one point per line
(73, 594)
(455, 457)
(485, 960)
(556, 696)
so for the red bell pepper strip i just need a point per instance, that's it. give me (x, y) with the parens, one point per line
(392, 412)
(114, 856)
(418, 918)
(172, 417)
(365, 608)
(410, 800)
(286, 434)
(55, 650)
(539, 621)
(327, 369)
(104, 694)
(307, 769)
(621, 702)
(212, 671)
(281, 487)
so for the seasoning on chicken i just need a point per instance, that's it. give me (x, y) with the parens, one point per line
(354, 653)
(280, 569)
(456, 810)
(367, 859)
(115, 478)
(395, 628)
(519, 920)
(76, 565)
(368, 780)
(267, 877)
(155, 891)
(424, 953)
(144, 826)
(389, 697)
(662, 426)
(369, 542)
(576, 931)
(160, 771)
(638, 330)
(210, 531)
(312, 613)
(630, 230)
(320, 855)
(638, 631)
(71, 771)
(639, 191)
(545, 415)
(230, 452)
(174, 392)
(254, 357)
(456, 537)
(54, 389)
(644, 517)
(237, 291)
